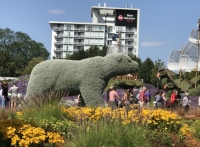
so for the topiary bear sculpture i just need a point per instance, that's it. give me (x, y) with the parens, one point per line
(88, 76)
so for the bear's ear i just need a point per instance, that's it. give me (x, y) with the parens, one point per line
(118, 58)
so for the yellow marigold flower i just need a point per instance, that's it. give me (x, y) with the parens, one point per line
(14, 140)
(126, 122)
(10, 132)
(19, 113)
(55, 137)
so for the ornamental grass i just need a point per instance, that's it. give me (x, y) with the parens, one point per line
(50, 124)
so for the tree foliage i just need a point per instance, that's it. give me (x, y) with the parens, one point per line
(7, 64)
(21, 48)
(189, 75)
(31, 64)
(158, 65)
(145, 70)
(91, 52)
(135, 58)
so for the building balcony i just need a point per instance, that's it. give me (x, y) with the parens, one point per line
(91, 36)
(95, 30)
(58, 36)
(67, 42)
(79, 36)
(58, 42)
(60, 50)
(78, 43)
(79, 29)
(130, 45)
(119, 30)
(76, 50)
(131, 30)
(64, 36)
(58, 28)
(130, 38)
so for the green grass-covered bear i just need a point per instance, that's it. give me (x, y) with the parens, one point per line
(88, 76)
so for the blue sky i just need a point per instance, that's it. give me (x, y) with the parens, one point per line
(164, 24)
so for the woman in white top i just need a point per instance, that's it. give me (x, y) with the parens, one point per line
(1, 98)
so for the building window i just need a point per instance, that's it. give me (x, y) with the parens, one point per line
(68, 27)
(89, 28)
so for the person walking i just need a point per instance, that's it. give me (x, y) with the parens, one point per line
(186, 103)
(81, 102)
(199, 102)
(113, 96)
(5, 99)
(172, 100)
(14, 99)
(147, 97)
(142, 97)
(126, 99)
(106, 102)
(160, 100)
(1, 98)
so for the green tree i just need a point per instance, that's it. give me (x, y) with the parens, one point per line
(145, 70)
(22, 48)
(103, 51)
(135, 58)
(91, 52)
(77, 55)
(158, 65)
(190, 75)
(31, 64)
(7, 68)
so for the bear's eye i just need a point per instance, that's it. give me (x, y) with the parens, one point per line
(129, 60)
(119, 60)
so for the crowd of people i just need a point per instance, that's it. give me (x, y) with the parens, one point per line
(144, 99)
(5, 100)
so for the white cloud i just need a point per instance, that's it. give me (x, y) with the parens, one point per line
(153, 43)
(56, 11)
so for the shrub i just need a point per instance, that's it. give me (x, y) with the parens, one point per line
(170, 85)
(3, 129)
(110, 135)
(195, 91)
(163, 81)
(169, 92)
(195, 127)
(28, 135)
(163, 73)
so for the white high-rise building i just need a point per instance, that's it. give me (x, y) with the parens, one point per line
(107, 22)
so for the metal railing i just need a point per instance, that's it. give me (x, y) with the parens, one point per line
(58, 28)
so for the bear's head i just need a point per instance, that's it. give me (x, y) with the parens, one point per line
(119, 64)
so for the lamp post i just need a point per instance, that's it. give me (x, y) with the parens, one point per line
(198, 32)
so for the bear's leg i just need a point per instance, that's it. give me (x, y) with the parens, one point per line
(92, 90)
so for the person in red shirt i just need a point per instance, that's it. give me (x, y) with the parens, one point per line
(172, 100)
